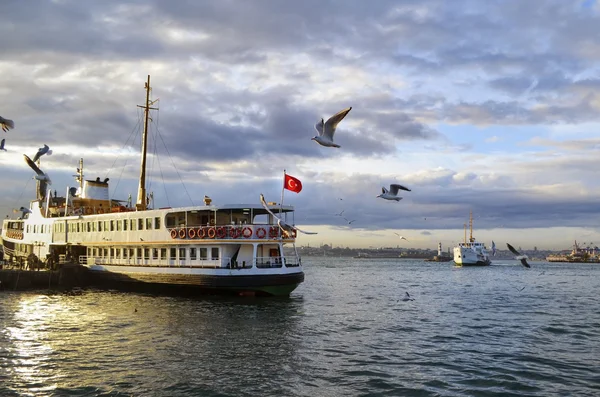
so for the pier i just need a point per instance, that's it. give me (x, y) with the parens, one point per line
(68, 276)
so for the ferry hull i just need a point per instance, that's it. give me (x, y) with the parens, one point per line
(198, 284)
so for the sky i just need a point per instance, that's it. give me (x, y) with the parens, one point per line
(483, 106)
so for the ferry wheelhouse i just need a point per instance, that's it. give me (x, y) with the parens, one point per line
(230, 248)
(471, 252)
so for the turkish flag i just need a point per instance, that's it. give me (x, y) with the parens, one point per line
(291, 183)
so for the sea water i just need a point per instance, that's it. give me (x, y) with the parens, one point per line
(501, 330)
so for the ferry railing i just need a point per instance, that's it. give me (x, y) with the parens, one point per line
(194, 263)
(265, 262)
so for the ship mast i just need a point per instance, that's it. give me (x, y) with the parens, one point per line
(141, 199)
(471, 226)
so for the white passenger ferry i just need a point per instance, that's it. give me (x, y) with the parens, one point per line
(229, 248)
(471, 252)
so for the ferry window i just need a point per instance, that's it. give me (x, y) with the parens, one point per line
(117, 252)
(163, 253)
(112, 252)
(157, 223)
(99, 226)
(132, 224)
(112, 225)
(140, 224)
(78, 224)
(105, 252)
(106, 229)
(148, 223)
(125, 251)
(214, 252)
(146, 253)
(125, 224)
(118, 225)
(203, 253)
(93, 251)
(193, 254)
(93, 226)
(154, 253)
(132, 252)
(181, 254)
(173, 253)
(170, 220)
(139, 253)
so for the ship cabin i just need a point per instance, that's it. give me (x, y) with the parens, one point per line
(472, 245)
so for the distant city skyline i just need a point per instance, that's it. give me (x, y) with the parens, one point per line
(490, 107)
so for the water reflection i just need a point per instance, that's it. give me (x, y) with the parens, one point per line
(111, 341)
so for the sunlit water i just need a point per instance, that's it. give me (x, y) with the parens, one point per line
(497, 331)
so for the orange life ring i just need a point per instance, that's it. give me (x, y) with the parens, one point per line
(273, 232)
(211, 232)
(173, 233)
(100, 211)
(182, 232)
(220, 232)
(261, 232)
(191, 232)
(88, 211)
(201, 232)
(247, 235)
(234, 232)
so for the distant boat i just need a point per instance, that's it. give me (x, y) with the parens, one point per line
(471, 252)
(578, 255)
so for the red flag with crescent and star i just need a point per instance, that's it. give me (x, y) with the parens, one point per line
(291, 183)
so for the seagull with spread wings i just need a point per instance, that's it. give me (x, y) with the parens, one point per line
(40, 176)
(327, 128)
(401, 237)
(392, 194)
(6, 124)
(286, 230)
(42, 151)
(522, 258)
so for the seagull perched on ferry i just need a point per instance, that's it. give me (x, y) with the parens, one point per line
(6, 124)
(327, 128)
(392, 194)
(286, 230)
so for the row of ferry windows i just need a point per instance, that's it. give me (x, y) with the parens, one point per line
(114, 225)
(155, 253)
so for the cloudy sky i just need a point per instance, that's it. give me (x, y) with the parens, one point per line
(490, 106)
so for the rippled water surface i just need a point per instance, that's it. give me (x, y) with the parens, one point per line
(498, 331)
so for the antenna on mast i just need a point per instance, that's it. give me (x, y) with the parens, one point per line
(141, 203)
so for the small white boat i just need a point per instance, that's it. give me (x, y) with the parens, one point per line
(470, 252)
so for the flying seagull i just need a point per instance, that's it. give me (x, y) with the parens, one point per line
(392, 194)
(286, 229)
(42, 151)
(407, 297)
(522, 258)
(401, 237)
(40, 176)
(6, 124)
(2, 144)
(349, 221)
(327, 128)
(340, 214)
